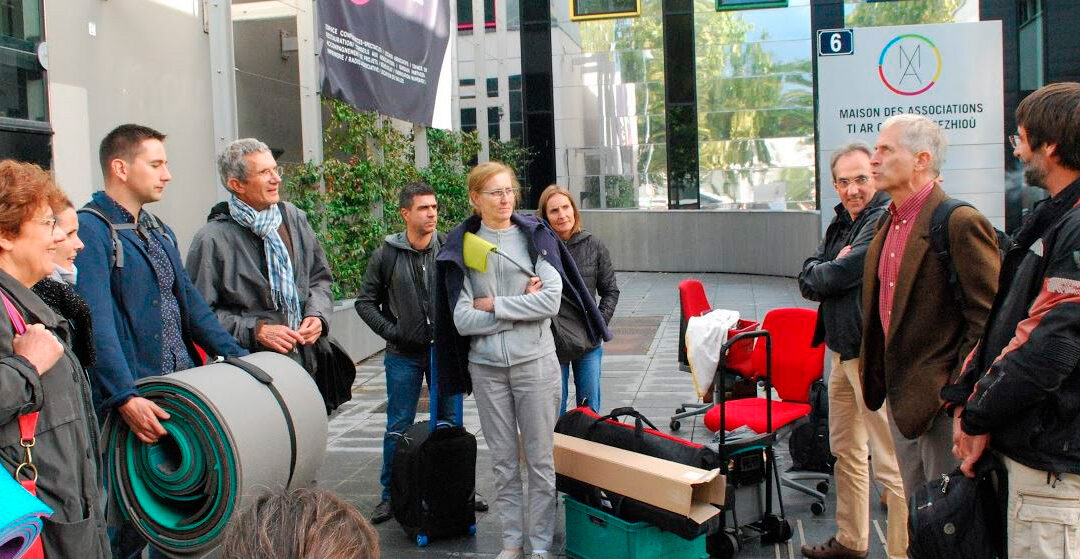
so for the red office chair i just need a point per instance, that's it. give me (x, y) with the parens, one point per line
(790, 363)
(694, 302)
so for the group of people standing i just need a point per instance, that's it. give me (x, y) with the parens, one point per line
(509, 334)
(950, 340)
(107, 300)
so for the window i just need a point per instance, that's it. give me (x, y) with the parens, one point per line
(23, 93)
(494, 114)
(489, 14)
(493, 87)
(467, 88)
(1030, 44)
(464, 15)
(468, 120)
(517, 127)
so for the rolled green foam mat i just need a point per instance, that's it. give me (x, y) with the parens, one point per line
(235, 429)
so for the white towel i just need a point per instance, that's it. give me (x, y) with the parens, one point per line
(704, 336)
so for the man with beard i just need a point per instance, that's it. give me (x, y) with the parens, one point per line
(833, 276)
(1020, 389)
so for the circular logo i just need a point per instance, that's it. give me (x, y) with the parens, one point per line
(909, 64)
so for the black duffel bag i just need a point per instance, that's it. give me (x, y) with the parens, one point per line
(959, 517)
(584, 423)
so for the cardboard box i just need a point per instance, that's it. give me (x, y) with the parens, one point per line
(692, 492)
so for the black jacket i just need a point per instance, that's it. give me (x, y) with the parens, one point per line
(594, 263)
(396, 299)
(1022, 383)
(837, 283)
(451, 348)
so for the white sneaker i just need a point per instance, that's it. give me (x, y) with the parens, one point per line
(510, 554)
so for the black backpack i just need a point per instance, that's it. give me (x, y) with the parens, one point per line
(809, 442)
(958, 517)
(939, 242)
(432, 482)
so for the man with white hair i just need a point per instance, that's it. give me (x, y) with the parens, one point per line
(261, 269)
(916, 330)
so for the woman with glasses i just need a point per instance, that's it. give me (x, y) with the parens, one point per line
(39, 373)
(574, 349)
(493, 337)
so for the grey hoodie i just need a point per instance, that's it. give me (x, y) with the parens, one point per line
(520, 328)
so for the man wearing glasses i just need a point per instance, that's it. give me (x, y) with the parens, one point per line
(260, 267)
(1020, 390)
(833, 276)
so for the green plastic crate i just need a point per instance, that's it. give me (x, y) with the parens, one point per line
(595, 534)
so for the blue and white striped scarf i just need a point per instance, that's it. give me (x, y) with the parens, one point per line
(279, 267)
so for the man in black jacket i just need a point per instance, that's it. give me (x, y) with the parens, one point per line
(833, 276)
(396, 301)
(1019, 391)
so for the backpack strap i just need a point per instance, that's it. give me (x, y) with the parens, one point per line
(939, 242)
(117, 248)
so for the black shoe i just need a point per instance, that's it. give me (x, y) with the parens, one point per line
(382, 512)
(479, 504)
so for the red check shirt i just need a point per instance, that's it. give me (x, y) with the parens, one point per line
(903, 220)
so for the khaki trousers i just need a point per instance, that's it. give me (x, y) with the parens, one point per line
(1044, 513)
(855, 433)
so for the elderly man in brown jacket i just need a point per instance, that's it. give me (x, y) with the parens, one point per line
(916, 333)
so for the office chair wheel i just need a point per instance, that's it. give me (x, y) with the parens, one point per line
(680, 410)
(675, 425)
(823, 487)
(817, 508)
(777, 529)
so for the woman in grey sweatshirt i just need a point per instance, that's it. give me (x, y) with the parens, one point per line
(515, 373)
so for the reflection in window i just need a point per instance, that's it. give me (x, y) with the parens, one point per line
(22, 79)
(610, 107)
(909, 12)
(755, 109)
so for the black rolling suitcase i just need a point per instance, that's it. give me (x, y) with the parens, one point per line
(432, 482)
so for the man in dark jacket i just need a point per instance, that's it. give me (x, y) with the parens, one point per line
(833, 276)
(396, 301)
(1020, 389)
(147, 316)
(259, 266)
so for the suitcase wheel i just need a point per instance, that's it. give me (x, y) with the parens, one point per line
(472, 530)
(421, 540)
(777, 529)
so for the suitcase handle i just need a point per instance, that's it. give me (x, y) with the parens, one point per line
(623, 412)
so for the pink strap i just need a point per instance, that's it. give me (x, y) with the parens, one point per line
(16, 317)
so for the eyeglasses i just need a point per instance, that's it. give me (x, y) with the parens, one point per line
(271, 172)
(1014, 141)
(498, 194)
(50, 221)
(860, 180)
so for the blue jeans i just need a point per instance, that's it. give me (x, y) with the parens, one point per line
(586, 379)
(404, 379)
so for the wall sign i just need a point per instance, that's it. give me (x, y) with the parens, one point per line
(951, 73)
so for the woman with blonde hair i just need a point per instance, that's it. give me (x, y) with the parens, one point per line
(493, 335)
(573, 348)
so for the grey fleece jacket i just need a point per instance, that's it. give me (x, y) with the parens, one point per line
(520, 328)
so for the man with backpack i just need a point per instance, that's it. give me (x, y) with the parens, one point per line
(833, 275)
(147, 316)
(917, 324)
(1020, 389)
(396, 302)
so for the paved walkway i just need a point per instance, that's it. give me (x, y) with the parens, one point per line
(644, 375)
